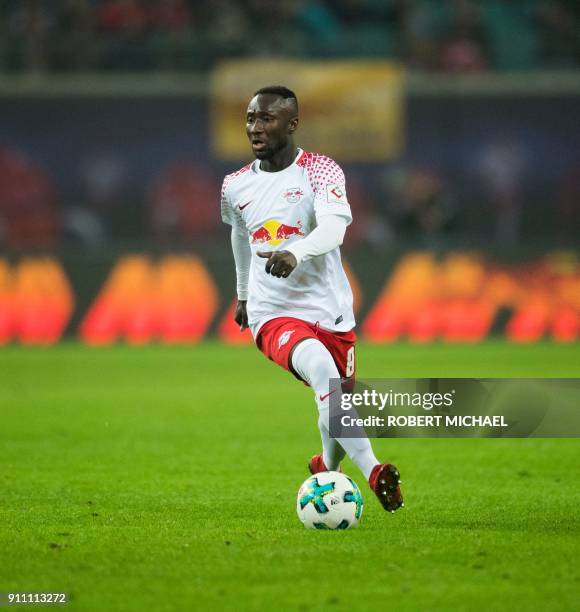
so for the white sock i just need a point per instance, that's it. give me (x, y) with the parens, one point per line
(312, 361)
(332, 451)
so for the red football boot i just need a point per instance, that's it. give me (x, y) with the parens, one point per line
(384, 481)
(316, 465)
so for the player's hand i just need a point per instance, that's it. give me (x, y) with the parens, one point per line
(241, 316)
(280, 263)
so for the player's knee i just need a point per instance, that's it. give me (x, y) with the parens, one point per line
(312, 355)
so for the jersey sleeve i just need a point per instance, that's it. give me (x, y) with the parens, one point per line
(230, 213)
(329, 187)
(227, 210)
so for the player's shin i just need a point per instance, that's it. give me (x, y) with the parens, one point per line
(313, 362)
(332, 451)
(359, 450)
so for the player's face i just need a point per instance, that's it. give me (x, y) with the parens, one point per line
(270, 123)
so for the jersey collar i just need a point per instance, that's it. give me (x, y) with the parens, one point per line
(256, 164)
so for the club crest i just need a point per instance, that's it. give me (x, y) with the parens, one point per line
(293, 195)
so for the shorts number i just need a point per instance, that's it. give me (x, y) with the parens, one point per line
(349, 362)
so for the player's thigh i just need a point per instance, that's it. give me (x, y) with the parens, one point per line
(342, 347)
(279, 337)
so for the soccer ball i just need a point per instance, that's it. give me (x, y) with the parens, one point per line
(329, 500)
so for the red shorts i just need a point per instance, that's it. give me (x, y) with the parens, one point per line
(278, 337)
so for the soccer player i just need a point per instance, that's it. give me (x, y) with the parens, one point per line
(289, 213)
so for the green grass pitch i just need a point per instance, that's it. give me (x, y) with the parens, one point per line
(165, 479)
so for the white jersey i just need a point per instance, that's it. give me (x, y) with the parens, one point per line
(276, 209)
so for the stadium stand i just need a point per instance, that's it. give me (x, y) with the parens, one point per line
(448, 35)
(29, 214)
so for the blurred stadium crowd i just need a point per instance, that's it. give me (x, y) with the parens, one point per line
(498, 167)
(402, 203)
(141, 35)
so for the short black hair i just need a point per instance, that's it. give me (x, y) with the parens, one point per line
(278, 90)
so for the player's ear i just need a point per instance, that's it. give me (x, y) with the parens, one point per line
(293, 125)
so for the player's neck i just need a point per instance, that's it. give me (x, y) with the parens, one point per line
(281, 159)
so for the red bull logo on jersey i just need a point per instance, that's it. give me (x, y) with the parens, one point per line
(293, 195)
(273, 232)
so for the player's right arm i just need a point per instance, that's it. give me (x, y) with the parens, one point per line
(242, 256)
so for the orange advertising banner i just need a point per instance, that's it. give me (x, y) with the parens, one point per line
(351, 110)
